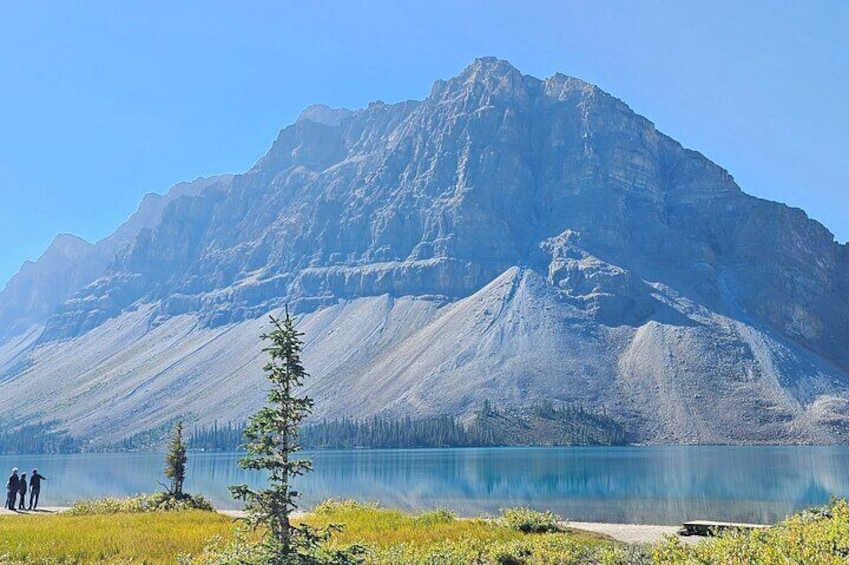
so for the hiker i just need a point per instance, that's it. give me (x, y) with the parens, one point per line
(34, 488)
(22, 489)
(12, 489)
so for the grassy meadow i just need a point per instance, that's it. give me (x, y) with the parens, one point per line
(437, 537)
(389, 537)
(152, 538)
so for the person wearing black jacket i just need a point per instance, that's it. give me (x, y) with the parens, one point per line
(12, 489)
(22, 489)
(34, 488)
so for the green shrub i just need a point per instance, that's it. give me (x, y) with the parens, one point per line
(156, 502)
(530, 521)
(246, 548)
(241, 549)
(336, 505)
(166, 502)
(816, 536)
(545, 549)
(440, 538)
(438, 516)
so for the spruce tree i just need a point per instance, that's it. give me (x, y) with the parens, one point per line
(271, 440)
(175, 462)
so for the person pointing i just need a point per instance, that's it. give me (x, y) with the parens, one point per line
(34, 488)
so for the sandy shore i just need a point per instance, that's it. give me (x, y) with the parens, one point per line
(628, 533)
(634, 533)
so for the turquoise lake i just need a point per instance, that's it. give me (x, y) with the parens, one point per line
(648, 485)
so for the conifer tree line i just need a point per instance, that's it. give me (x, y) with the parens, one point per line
(490, 426)
(545, 423)
(35, 438)
(385, 433)
(217, 438)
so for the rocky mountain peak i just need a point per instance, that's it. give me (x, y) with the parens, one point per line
(323, 114)
(534, 238)
(67, 244)
(484, 69)
(486, 80)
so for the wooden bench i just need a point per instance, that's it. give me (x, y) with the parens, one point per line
(710, 528)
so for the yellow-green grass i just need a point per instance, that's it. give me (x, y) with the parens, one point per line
(391, 537)
(819, 536)
(382, 527)
(151, 538)
(816, 536)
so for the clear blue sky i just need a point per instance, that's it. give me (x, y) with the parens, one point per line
(102, 101)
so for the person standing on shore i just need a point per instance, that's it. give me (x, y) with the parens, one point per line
(22, 489)
(35, 488)
(12, 489)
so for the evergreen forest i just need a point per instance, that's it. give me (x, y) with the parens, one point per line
(35, 438)
(542, 424)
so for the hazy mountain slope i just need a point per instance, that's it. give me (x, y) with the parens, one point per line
(70, 263)
(31, 295)
(507, 238)
(512, 342)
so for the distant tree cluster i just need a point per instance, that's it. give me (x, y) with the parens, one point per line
(385, 433)
(217, 438)
(149, 440)
(545, 423)
(542, 424)
(36, 438)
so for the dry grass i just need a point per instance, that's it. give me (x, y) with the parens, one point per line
(393, 538)
(370, 525)
(818, 535)
(150, 538)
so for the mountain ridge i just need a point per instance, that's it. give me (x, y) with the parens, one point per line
(550, 199)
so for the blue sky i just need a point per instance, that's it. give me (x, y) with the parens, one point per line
(102, 102)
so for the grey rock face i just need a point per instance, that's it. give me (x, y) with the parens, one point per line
(326, 115)
(70, 264)
(636, 270)
(31, 295)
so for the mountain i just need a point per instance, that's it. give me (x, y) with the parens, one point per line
(71, 263)
(68, 264)
(508, 239)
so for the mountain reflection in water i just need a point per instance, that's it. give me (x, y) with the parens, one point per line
(650, 485)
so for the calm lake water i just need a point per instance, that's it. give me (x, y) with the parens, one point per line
(649, 485)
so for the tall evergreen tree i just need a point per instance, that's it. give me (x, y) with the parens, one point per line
(271, 440)
(175, 462)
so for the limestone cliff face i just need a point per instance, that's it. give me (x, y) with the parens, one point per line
(619, 229)
(441, 196)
